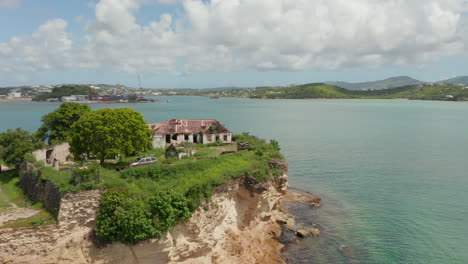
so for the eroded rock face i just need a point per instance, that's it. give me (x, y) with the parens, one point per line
(54, 243)
(239, 225)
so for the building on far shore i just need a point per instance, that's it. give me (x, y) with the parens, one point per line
(178, 131)
(14, 94)
(75, 98)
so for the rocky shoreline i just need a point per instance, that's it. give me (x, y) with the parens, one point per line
(243, 223)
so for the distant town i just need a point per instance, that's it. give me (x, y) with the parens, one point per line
(77, 93)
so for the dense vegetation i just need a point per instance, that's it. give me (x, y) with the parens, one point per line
(15, 144)
(57, 125)
(66, 90)
(106, 133)
(144, 202)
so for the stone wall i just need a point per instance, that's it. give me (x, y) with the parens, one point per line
(58, 152)
(40, 190)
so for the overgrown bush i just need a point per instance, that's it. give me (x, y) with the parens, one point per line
(123, 218)
(132, 219)
(168, 209)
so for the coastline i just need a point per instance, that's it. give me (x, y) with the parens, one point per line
(16, 99)
(242, 223)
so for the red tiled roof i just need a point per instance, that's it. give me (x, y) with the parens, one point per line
(189, 126)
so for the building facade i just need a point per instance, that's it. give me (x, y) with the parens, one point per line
(178, 131)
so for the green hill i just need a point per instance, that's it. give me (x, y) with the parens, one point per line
(305, 91)
(381, 84)
(446, 92)
(456, 80)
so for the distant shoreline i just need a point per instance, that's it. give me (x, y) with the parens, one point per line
(16, 99)
(82, 102)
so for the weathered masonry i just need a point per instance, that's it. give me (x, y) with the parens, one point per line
(178, 131)
(52, 155)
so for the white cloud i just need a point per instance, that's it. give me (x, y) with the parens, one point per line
(227, 35)
(49, 47)
(10, 4)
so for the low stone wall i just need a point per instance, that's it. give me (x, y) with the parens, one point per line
(40, 190)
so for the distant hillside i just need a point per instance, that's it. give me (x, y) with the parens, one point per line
(457, 80)
(305, 91)
(381, 84)
(66, 90)
(319, 90)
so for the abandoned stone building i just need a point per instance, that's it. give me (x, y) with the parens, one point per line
(52, 155)
(178, 131)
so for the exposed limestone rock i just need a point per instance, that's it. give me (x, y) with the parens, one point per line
(239, 226)
(303, 232)
(315, 232)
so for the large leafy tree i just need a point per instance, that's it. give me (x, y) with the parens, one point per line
(14, 144)
(56, 126)
(106, 133)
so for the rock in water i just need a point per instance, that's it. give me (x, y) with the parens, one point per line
(290, 224)
(315, 232)
(303, 232)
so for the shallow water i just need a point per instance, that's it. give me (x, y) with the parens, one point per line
(393, 174)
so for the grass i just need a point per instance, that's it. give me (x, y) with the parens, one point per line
(207, 167)
(11, 192)
(42, 218)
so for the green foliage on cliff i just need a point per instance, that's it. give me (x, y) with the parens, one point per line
(106, 133)
(123, 217)
(57, 125)
(66, 90)
(146, 201)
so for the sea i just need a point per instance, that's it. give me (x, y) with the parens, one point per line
(392, 174)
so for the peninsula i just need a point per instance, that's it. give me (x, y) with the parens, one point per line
(200, 195)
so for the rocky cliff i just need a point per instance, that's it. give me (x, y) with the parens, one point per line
(238, 225)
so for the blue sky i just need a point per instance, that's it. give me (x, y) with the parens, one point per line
(198, 44)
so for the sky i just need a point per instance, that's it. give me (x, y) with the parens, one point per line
(218, 43)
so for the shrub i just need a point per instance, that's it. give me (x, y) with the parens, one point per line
(167, 209)
(122, 218)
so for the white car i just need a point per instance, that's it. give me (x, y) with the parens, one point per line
(143, 161)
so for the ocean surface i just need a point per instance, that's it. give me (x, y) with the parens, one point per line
(393, 174)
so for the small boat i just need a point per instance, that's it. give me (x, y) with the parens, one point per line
(214, 97)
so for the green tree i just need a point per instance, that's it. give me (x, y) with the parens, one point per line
(56, 126)
(106, 133)
(14, 144)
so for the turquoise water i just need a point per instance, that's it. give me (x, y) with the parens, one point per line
(393, 173)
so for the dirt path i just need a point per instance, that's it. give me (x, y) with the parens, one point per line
(13, 212)
(16, 213)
